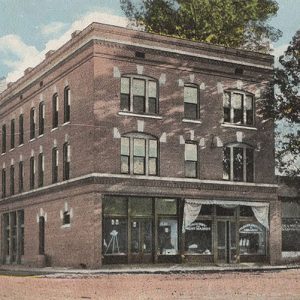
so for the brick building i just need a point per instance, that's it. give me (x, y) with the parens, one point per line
(128, 147)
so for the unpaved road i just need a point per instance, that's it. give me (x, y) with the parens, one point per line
(270, 285)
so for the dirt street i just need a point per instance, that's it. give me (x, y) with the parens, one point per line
(269, 285)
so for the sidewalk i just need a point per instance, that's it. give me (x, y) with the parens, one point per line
(17, 270)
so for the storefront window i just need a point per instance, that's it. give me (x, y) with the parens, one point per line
(115, 206)
(115, 236)
(252, 239)
(168, 236)
(166, 206)
(141, 206)
(198, 237)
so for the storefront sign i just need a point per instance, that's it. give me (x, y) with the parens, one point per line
(290, 225)
(199, 227)
(250, 228)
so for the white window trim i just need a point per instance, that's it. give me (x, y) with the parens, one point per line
(125, 113)
(232, 125)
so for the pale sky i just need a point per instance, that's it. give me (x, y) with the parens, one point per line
(29, 28)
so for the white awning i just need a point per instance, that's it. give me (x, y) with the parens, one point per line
(192, 209)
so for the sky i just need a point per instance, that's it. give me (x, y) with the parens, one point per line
(30, 28)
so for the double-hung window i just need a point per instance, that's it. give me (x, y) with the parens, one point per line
(191, 101)
(139, 155)
(32, 123)
(238, 108)
(139, 95)
(12, 134)
(32, 172)
(41, 118)
(66, 161)
(21, 129)
(55, 111)
(238, 163)
(54, 165)
(3, 138)
(41, 169)
(67, 104)
(191, 160)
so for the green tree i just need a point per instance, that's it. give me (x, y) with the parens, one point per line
(281, 102)
(231, 23)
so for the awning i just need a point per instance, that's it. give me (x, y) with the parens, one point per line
(192, 208)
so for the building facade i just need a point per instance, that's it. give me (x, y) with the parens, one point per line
(128, 147)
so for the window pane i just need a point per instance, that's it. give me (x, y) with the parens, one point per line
(226, 164)
(152, 89)
(190, 94)
(152, 166)
(236, 101)
(166, 206)
(190, 169)
(206, 210)
(249, 110)
(140, 206)
(139, 165)
(190, 111)
(152, 105)
(139, 147)
(191, 152)
(139, 104)
(138, 87)
(124, 146)
(125, 164)
(249, 165)
(223, 211)
(252, 239)
(115, 236)
(168, 237)
(125, 103)
(226, 100)
(246, 211)
(291, 234)
(115, 205)
(152, 148)
(125, 85)
(198, 238)
(238, 170)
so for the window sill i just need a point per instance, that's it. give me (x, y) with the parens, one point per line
(66, 226)
(238, 126)
(53, 129)
(21, 145)
(41, 135)
(12, 149)
(66, 123)
(191, 121)
(123, 113)
(3, 153)
(32, 140)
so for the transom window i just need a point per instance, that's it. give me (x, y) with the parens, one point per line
(191, 159)
(139, 155)
(238, 163)
(191, 101)
(139, 95)
(238, 108)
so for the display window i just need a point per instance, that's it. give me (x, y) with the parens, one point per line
(198, 238)
(115, 236)
(168, 236)
(252, 239)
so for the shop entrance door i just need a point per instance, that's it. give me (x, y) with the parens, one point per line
(141, 244)
(226, 241)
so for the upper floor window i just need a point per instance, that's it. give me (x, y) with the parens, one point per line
(32, 123)
(139, 95)
(41, 170)
(54, 165)
(55, 111)
(67, 104)
(191, 159)
(21, 177)
(238, 163)
(238, 108)
(12, 180)
(41, 118)
(21, 129)
(66, 161)
(191, 101)
(32, 172)
(139, 154)
(12, 134)
(3, 183)
(3, 138)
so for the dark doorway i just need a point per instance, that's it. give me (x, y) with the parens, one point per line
(41, 235)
